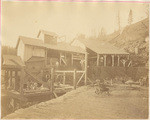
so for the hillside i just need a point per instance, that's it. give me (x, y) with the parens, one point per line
(133, 39)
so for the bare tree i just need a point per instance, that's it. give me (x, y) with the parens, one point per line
(146, 9)
(118, 21)
(130, 17)
(102, 32)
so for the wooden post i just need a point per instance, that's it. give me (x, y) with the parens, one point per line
(86, 58)
(97, 59)
(64, 78)
(6, 79)
(22, 80)
(118, 60)
(113, 61)
(52, 79)
(46, 57)
(16, 77)
(105, 60)
(74, 79)
(11, 79)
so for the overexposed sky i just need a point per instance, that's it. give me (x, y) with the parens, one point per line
(64, 18)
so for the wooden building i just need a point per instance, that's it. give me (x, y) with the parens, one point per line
(46, 50)
(102, 53)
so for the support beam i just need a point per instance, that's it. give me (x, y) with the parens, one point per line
(105, 60)
(118, 60)
(80, 78)
(86, 58)
(113, 60)
(97, 59)
(22, 80)
(11, 79)
(45, 57)
(52, 79)
(16, 78)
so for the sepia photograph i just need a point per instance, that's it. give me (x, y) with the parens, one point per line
(74, 59)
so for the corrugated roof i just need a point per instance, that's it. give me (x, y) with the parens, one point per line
(101, 47)
(12, 60)
(62, 46)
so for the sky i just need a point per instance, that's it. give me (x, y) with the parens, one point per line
(64, 18)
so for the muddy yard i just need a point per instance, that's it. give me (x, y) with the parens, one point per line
(83, 103)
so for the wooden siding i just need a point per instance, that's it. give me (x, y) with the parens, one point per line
(33, 51)
(20, 50)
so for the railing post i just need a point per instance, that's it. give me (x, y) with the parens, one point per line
(74, 79)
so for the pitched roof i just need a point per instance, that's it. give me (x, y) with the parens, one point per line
(47, 33)
(132, 36)
(62, 46)
(101, 47)
(12, 60)
(31, 41)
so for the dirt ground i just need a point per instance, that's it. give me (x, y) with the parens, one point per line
(83, 103)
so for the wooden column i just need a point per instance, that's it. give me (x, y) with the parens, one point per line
(113, 60)
(105, 60)
(97, 59)
(60, 58)
(22, 76)
(45, 57)
(52, 79)
(11, 79)
(118, 60)
(86, 59)
(16, 77)
(74, 79)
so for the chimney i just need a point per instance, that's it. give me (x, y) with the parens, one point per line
(49, 39)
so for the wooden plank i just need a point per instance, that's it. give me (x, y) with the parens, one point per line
(62, 71)
(80, 78)
(37, 79)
